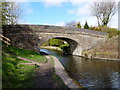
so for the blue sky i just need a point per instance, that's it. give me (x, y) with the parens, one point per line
(58, 13)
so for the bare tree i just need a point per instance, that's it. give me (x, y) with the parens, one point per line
(72, 24)
(103, 11)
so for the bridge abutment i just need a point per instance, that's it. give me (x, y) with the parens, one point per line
(78, 51)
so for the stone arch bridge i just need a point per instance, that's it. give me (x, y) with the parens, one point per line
(33, 36)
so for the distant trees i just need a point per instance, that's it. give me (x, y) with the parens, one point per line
(103, 11)
(86, 25)
(71, 24)
(10, 12)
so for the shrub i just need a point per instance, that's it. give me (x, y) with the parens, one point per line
(95, 28)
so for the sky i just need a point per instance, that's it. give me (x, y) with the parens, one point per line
(59, 12)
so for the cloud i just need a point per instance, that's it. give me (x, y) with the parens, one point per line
(49, 3)
(84, 11)
(78, 2)
(71, 11)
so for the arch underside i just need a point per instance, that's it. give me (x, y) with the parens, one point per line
(73, 44)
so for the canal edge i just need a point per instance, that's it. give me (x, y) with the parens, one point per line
(98, 58)
(61, 72)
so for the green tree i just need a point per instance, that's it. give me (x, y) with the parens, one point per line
(78, 25)
(86, 26)
(10, 12)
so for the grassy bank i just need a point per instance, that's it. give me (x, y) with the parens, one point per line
(106, 50)
(28, 54)
(17, 75)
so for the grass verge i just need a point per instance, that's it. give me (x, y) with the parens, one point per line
(14, 75)
(28, 54)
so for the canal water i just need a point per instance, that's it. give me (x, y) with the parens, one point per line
(90, 73)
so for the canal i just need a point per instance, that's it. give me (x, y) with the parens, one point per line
(90, 73)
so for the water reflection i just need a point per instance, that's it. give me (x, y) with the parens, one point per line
(89, 73)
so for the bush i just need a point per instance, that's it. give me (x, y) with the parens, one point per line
(95, 28)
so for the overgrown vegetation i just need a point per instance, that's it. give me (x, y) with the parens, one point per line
(110, 31)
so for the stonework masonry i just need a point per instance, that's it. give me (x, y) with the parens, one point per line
(31, 37)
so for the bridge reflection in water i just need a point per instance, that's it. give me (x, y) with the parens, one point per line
(89, 73)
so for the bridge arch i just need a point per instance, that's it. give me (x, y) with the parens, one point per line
(73, 44)
(32, 36)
